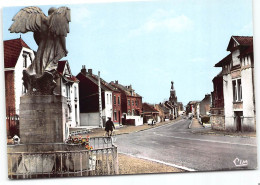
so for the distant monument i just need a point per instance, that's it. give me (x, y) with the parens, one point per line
(49, 34)
(42, 114)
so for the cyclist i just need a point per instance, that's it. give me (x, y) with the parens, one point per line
(109, 126)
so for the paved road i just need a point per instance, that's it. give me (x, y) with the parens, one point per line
(175, 144)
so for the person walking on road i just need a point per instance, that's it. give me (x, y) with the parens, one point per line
(109, 126)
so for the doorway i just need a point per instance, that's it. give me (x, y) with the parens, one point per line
(238, 120)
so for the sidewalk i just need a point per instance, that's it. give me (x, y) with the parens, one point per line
(195, 123)
(126, 129)
(208, 131)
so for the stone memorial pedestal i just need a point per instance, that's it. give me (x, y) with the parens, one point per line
(42, 118)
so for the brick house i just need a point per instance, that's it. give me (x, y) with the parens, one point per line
(131, 105)
(164, 113)
(68, 86)
(238, 84)
(116, 101)
(89, 99)
(217, 117)
(149, 112)
(17, 57)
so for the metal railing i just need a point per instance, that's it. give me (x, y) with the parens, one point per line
(99, 161)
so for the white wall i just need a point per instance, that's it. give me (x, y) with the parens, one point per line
(108, 111)
(248, 99)
(18, 75)
(74, 114)
(138, 120)
(89, 119)
(228, 101)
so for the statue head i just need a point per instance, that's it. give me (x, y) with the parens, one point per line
(51, 10)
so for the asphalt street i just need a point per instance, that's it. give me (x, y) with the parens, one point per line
(175, 144)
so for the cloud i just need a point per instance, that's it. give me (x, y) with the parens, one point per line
(163, 20)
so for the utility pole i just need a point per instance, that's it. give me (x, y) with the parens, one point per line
(100, 102)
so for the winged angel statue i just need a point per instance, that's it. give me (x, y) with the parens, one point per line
(50, 35)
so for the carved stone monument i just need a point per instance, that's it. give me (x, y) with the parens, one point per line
(42, 114)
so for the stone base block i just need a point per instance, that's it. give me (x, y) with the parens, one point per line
(42, 118)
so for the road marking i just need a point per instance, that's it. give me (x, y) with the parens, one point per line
(161, 162)
(212, 141)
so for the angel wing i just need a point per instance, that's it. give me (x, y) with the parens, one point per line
(27, 19)
(59, 21)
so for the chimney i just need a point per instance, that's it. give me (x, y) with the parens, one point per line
(83, 70)
(90, 71)
(116, 81)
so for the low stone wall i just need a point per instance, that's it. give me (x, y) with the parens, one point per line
(217, 122)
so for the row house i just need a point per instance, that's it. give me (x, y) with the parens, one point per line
(205, 105)
(238, 85)
(89, 99)
(116, 98)
(131, 104)
(180, 108)
(168, 105)
(203, 109)
(164, 113)
(217, 115)
(149, 112)
(17, 57)
(192, 107)
(68, 86)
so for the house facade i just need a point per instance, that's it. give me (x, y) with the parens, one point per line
(116, 103)
(149, 112)
(17, 57)
(164, 113)
(68, 86)
(238, 85)
(89, 99)
(205, 105)
(131, 104)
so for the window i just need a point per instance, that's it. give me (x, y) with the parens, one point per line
(237, 90)
(118, 100)
(68, 91)
(114, 99)
(75, 92)
(24, 60)
(133, 102)
(133, 112)
(110, 98)
(107, 99)
(128, 102)
(115, 116)
(136, 102)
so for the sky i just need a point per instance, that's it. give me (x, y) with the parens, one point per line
(151, 43)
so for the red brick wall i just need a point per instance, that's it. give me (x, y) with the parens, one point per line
(117, 107)
(9, 98)
(133, 104)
